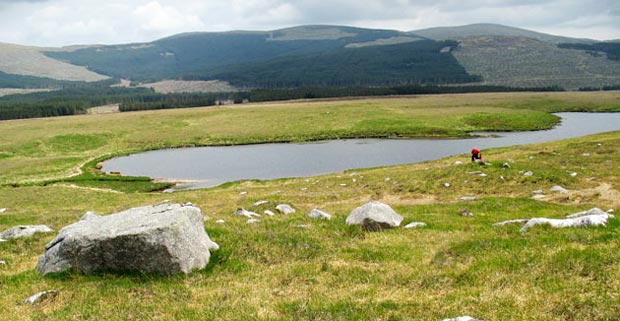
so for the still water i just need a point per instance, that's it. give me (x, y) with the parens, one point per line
(212, 166)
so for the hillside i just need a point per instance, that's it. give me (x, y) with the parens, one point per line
(526, 62)
(328, 56)
(489, 29)
(29, 61)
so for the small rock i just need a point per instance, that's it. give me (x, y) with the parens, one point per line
(243, 212)
(415, 224)
(24, 231)
(285, 209)
(611, 210)
(538, 196)
(2, 210)
(305, 226)
(599, 144)
(354, 174)
(506, 165)
(573, 174)
(259, 203)
(501, 177)
(458, 163)
(268, 212)
(468, 198)
(538, 191)
(558, 189)
(483, 175)
(220, 221)
(387, 179)
(585, 154)
(2, 240)
(318, 214)
(343, 185)
(252, 221)
(303, 189)
(531, 157)
(45, 295)
(446, 184)
(243, 193)
(2, 262)
(354, 180)
(528, 173)
(474, 173)
(465, 213)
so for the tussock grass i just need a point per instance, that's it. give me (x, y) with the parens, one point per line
(276, 270)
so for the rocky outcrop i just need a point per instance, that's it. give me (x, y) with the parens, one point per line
(24, 231)
(374, 216)
(285, 209)
(162, 239)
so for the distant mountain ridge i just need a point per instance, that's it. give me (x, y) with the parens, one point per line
(337, 56)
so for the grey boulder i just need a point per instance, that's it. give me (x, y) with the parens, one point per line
(374, 216)
(285, 209)
(24, 231)
(162, 239)
(318, 214)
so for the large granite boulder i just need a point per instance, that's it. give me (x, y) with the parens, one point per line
(374, 216)
(163, 239)
(24, 231)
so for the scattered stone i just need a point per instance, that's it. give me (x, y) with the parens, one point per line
(243, 212)
(599, 144)
(2, 210)
(585, 154)
(458, 163)
(501, 177)
(465, 213)
(318, 214)
(591, 220)
(572, 174)
(374, 216)
(518, 221)
(163, 239)
(304, 226)
(528, 173)
(446, 184)
(252, 221)
(531, 157)
(354, 180)
(387, 179)
(354, 174)
(538, 196)
(415, 224)
(269, 213)
(558, 189)
(243, 193)
(474, 173)
(506, 165)
(343, 185)
(2, 262)
(611, 210)
(537, 192)
(41, 296)
(285, 209)
(303, 189)
(483, 175)
(24, 231)
(463, 318)
(259, 203)
(220, 221)
(2, 240)
(468, 198)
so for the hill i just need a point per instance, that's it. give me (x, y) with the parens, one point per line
(489, 29)
(329, 56)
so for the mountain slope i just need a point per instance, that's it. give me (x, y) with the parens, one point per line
(29, 61)
(488, 29)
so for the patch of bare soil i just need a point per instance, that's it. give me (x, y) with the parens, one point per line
(603, 192)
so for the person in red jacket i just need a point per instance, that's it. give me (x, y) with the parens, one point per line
(476, 155)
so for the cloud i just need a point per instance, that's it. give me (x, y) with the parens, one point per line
(63, 22)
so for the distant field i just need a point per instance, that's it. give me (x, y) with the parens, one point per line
(276, 270)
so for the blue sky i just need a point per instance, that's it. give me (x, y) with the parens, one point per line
(67, 22)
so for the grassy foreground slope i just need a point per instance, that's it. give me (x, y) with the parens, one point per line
(277, 270)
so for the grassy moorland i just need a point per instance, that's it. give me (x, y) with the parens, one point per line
(277, 270)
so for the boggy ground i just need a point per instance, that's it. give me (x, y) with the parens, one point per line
(277, 270)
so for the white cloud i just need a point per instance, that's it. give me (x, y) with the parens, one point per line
(63, 22)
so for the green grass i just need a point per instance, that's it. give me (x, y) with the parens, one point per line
(275, 270)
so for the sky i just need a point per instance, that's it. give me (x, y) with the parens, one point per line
(68, 22)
